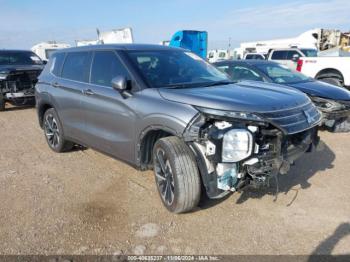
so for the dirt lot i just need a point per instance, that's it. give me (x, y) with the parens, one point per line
(83, 202)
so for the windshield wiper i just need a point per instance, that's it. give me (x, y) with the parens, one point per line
(186, 85)
(199, 84)
(219, 83)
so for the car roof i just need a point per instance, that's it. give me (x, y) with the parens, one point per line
(119, 47)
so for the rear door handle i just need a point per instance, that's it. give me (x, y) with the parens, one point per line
(88, 92)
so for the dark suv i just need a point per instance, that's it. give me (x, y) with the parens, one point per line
(166, 109)
(19, 70)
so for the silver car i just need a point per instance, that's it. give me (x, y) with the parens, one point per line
(166, 109)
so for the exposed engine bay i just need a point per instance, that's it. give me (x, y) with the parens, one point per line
(233, 154)
(18, 85)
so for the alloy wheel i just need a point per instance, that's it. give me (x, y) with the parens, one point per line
(52, 131)
(164, 177)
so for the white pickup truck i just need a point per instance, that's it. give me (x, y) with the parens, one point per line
(290, 56)
(333, 70)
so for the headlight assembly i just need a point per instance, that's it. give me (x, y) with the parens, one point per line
(230, 114)
(237, 145)
(327, 105)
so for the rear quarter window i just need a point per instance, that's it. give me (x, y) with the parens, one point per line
(56, 63)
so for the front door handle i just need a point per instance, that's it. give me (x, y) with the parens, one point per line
(55, 84)
(88, 92)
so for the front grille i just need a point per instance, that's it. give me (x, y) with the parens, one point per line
(296, 119)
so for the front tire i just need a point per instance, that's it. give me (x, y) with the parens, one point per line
(176, 175)
(54, 132)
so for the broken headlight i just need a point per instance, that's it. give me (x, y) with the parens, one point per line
(237, 145)
(230, 114)
(327, 105)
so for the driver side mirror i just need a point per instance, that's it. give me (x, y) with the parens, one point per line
(120, 84)
(295, 58)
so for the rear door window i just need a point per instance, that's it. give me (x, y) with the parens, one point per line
(279, 55)
(105, 66)
(77, 66)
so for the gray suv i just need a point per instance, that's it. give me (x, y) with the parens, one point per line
(166, 109)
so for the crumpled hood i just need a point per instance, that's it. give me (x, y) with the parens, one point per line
(247, 96)
(321, 89)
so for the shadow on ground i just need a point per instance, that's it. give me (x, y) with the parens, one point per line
(25, 105)
(327, 246)
(298, 176)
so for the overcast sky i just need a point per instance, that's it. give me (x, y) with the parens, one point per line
(25, 23)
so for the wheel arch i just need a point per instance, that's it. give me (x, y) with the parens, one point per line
(42, 108)
(146, 142)
(329, 73)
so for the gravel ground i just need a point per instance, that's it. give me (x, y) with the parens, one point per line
(84, 202)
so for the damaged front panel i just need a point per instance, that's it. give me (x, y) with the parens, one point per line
(336, 114)
(18, 84)
(234, 153)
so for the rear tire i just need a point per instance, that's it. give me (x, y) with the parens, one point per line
(2, 103)
(54, 132)
(176, 175)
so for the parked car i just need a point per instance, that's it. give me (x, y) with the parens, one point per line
(218, 55)
(333, 70)
(333, 101)
(254, 56)
(19, 70)
(166, 109)
(290, 56)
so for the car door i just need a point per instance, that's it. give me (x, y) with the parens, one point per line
(68, 94)
(109, 120)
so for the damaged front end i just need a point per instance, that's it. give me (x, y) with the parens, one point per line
(17, 86)
(235, 150)
(336, 114)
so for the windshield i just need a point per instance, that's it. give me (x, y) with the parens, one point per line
(175, 68)
(19, 58)
(309, 52)
(282, 75)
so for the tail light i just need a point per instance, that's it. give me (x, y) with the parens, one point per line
(299, 65)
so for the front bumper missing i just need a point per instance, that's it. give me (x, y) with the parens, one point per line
(256, 171)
